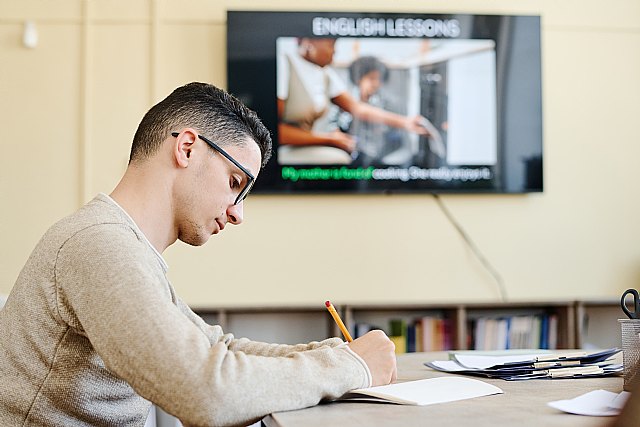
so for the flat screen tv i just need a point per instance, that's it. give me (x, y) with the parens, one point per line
(381, 102)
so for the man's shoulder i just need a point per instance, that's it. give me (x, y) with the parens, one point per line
(98, 218)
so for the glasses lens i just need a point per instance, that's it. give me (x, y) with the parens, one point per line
(250, 178)
(245, 191)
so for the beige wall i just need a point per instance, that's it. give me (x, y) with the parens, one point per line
(69, 108)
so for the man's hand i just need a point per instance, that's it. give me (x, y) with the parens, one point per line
(378, 352)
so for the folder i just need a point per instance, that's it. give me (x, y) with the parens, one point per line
(560, 360)
(532, 366)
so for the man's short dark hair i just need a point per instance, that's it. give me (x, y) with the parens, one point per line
(366, 64)
(213, 112)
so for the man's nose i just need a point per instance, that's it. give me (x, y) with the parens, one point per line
(234, 213)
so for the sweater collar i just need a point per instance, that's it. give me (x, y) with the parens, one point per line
(108, 199)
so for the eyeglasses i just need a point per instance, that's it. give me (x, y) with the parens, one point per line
(250, 178)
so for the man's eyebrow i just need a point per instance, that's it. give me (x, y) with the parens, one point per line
(236, 167)
(252, 172)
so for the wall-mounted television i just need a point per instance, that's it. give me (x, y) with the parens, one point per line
(382, 102)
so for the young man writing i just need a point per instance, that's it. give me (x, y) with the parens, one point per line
(93, 330)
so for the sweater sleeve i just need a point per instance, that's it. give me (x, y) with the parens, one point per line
(112, 290)
(215, 334)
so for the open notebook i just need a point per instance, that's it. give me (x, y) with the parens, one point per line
(423, 392)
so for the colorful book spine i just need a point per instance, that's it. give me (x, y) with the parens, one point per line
(398, 335)
(514, 332)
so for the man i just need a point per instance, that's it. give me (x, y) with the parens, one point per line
(92, 330)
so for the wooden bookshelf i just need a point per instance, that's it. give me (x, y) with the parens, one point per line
(292, 324)
(461, 315)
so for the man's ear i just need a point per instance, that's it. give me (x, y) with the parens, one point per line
(183, 146)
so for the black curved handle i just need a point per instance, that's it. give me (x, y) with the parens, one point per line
(635, 314)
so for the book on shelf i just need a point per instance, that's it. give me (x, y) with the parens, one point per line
(514, 332)
(437, 332)
(411, 338)
(427, 333)
(399, 335)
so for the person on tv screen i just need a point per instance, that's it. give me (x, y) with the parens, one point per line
(306, 87)
(374, 141)
(93, 331)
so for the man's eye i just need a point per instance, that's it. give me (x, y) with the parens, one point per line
(235, 183)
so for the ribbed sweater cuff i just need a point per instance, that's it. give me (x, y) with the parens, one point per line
(369, 379)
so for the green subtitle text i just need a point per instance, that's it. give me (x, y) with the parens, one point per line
(317, 174)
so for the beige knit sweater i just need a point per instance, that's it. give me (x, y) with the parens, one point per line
(92, 331)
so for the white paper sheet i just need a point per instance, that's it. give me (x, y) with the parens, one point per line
(426, 392)
(597, 403)
(484, 362)
(448, 365)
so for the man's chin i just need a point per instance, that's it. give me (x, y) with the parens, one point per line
(194, 240)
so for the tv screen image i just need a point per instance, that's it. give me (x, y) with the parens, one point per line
(377, 103)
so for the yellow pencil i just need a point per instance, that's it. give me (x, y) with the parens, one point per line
(338, 320)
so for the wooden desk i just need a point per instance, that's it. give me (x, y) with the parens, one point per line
(524, 403)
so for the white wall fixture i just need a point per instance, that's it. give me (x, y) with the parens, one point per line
(30, 35)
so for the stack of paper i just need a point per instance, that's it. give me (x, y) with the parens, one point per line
(532, 366)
